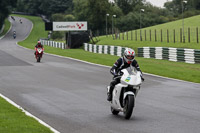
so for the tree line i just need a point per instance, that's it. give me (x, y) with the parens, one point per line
(5, 9)
(130, 14)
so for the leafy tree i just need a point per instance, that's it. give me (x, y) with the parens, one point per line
(33, 7)
(69, 17)
(128, 5)
(128, 22)
(58, 35)
(46, 7)
(94, 12)
(5, 8)
(60, 17)
(97, 10)
(197, 4)
(57, 6)
(21, 7)
(80, 9)
(189, 7)
(57, 17)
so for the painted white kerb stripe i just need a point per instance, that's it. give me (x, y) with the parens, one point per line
(28, 114)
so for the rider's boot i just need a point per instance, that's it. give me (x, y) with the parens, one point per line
(109, 98)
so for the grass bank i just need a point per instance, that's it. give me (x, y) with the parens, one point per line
(13, 120)
(6, 28)
(178, 70)
(127, 41)
(135, 44)
(159, 35)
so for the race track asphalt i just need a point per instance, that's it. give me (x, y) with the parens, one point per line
(70, 95)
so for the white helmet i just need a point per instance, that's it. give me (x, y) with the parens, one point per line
(129, 55)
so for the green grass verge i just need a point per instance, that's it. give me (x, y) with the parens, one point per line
(178, 70)
(13, 120)
(190, 25)
(135, 44)
(191, 22)
(190, 31)
(6, 28)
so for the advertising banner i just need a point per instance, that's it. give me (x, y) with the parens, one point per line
(70, 26)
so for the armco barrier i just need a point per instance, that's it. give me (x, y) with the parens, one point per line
(172, 54)
(53, 44)
(104, 49)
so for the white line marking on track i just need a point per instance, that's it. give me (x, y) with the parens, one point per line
(19, 107)
(29, 114)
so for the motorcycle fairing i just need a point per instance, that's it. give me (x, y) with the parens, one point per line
(131, 77)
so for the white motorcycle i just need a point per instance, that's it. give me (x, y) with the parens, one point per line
(124, 93)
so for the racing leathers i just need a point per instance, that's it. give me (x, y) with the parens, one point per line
(115, 71)
(38, 45)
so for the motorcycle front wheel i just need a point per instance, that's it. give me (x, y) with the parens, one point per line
(128, 108)
(114, 112)
(38, 59)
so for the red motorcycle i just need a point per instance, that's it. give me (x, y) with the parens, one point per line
(38, 53)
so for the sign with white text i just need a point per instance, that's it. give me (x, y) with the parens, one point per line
(70, 26)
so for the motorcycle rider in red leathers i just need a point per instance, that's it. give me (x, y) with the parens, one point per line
(38, 45)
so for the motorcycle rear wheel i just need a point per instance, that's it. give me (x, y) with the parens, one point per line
(129, 105)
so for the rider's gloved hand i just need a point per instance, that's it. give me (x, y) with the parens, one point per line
(115, 73)
(142, 78)
(120, 73)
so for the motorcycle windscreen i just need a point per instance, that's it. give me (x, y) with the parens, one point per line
(131, 77)
(39, 50)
